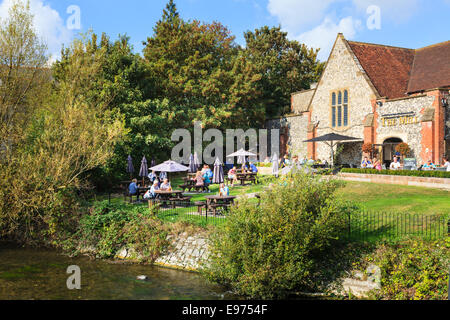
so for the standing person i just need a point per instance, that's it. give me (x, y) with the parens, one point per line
(152, 176)
(232, 175)
(395, 165)
(377, 164)
(446, 164)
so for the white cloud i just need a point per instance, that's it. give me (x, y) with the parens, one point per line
(324, 35)
(48, 24)
(297, 13)
(394, 10)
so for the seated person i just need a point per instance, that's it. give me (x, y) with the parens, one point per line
(366, 163)
(253, 168)
(209, 172)
(204, 169)
(224, 190)
(244, 168)
(151, 194)
(152, 176)
(165, 186)
(377, 164)
(428, 166)
(206, 179)
(232, 175)
(446, 164)
(133, 188)
(199, 181)
(396, 165)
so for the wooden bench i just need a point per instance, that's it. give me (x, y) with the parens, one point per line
(200, 206)
(201, 188)
(185, 187)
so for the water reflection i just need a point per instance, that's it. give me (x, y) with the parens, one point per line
(28, 274)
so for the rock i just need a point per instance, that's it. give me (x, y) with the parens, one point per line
(122, 254)
(142, 278)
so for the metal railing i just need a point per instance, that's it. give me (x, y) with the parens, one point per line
(393, 226)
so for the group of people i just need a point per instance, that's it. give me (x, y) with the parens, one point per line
(397, 165)
(204, 177)
(157, 183)
(232, 174)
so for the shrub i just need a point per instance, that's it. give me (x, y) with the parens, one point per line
(109, 227)
(403, 148)
(273, 249)
(414, 270)
(411, 173)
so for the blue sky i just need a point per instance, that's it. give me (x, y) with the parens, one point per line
(404, 23)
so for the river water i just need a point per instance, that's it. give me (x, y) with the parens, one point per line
(36, 274)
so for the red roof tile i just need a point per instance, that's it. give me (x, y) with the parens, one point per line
(387, 67)
(431, 68)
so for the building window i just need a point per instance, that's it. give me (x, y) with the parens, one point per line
(339, 109)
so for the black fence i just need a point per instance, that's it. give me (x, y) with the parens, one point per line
(196, 213)
(392, 226)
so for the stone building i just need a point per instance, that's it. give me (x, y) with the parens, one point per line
(380, 94)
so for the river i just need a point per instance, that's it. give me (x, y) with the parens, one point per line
(36, 274)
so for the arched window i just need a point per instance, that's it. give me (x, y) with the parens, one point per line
(339, 109)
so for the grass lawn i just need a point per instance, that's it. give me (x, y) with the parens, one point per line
(397, 198)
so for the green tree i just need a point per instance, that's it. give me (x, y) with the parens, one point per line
(200, 67)
(285, 67)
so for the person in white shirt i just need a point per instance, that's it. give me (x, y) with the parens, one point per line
(395, 165)
(446, 164)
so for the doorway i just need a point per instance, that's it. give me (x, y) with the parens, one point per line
(389, 146)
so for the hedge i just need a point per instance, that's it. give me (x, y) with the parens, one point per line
(410, 173)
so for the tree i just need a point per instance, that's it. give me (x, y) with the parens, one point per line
(22, 73)
(200, 67)
(285, 67)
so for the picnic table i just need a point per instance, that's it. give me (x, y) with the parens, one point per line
(216, 202)
(170, 197)
(190, 184)
(244, 177)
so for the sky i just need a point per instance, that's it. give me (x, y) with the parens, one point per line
(402, 23)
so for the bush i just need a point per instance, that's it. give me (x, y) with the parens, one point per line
(411, 173)
(414, 270)
(110, 227)
(275, 248)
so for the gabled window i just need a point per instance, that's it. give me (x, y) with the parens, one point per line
(339, 109)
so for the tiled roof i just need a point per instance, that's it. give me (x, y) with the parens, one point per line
(395, 72)
(387, 67)
(431, 68)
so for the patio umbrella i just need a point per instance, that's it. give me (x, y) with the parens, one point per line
(330, 140)
(218, 172)
(197, 163)
(241, 153)
(144, 170)
(153, 163)
(275, 162)
(170, 166)
(192, 166)
(130, 168)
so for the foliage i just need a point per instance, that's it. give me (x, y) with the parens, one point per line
(403, 148)
(110, 227)
(285, 66)
(369, 149)
(410, 173)
(22, 75)
(67, 135)
(414, 270)
(272, 249)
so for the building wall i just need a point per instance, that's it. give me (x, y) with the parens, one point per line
(412, 133)
(297, 128)
(343, 71)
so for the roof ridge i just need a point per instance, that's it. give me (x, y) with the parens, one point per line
(434, 45)
(380, 45)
